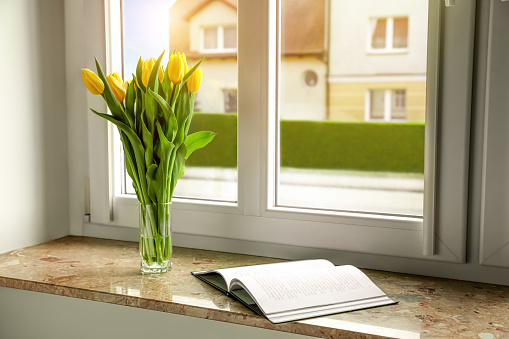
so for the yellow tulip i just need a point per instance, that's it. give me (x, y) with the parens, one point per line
(176, 68)
(194, 81)
(116, 87)
(185, 63)
(117, 76)
(126, 84)
(147, 69)
(92, 81)
(161, 74)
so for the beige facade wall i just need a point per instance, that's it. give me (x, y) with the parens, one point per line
(217, 13)
(347, 100)
(350, 38)
(297, 99)
(218, 75)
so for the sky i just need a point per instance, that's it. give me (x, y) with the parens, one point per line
(145, 31)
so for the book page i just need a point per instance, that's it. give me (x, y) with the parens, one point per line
(277, 291)
(282, 268)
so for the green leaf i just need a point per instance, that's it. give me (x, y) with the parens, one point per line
(174, 95)
(112, 102)
(130, 163)
(150, 112)
(178, 166)
(164, 165)
(172, 127)
(130, 99)
(188, 74)
(164, 105)
(152, 183)
(166, 85)
(168, 116)
(148, 141)
(140, 99)
(154, 73)
(197, 140)
(191, 110)
(139, 74)
(182, 112)
(137, 146)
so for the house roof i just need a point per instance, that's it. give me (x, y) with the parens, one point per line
(303, 25)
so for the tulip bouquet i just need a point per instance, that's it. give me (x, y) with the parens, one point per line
(153, 112)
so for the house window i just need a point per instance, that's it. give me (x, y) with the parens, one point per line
(398, 104)
(386, 105)
(400, 34)
(230, 100)
(219, 39)
(230, 37)
(210, 39)
(388, 34)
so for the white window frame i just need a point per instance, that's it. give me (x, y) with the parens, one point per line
(253, 225)
(389, 36)
(493, 85)
(220, 41)
(388, 96)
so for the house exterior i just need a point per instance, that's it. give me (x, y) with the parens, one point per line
(198, 28)
(207, 28)
(348, 60)
(382, 74)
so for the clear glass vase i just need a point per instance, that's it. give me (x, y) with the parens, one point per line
(155, 238)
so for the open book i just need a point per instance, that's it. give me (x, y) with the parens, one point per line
(296, 290)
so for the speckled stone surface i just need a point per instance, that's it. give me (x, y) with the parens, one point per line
(108, 271)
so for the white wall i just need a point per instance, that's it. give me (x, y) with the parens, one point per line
(349, 36)
(298, 100)
(27, 314)
(33, 140)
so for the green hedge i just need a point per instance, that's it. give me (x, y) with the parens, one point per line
(222, 151)
(386, 147)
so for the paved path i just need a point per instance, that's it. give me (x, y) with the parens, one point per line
(319, 189)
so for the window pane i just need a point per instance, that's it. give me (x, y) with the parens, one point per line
(379, 33)
(400, 33)
(230, 37)
(398, 105)
(336, 149)
(377, 104)
(210, 38)
(211, 172)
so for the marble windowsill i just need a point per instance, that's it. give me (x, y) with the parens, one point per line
(108, 271)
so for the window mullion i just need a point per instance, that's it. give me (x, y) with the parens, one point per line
(220, 38)
(250, 106)
(387, 105)
(389, 37)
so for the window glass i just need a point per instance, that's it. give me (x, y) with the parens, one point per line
(210, 38)
(191, 26)
(379, 33)
(337, 150)
(398, 105)
(377, 108)
(230, 37)
(400, 33)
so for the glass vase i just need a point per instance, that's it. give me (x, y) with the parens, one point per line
(155, 238)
